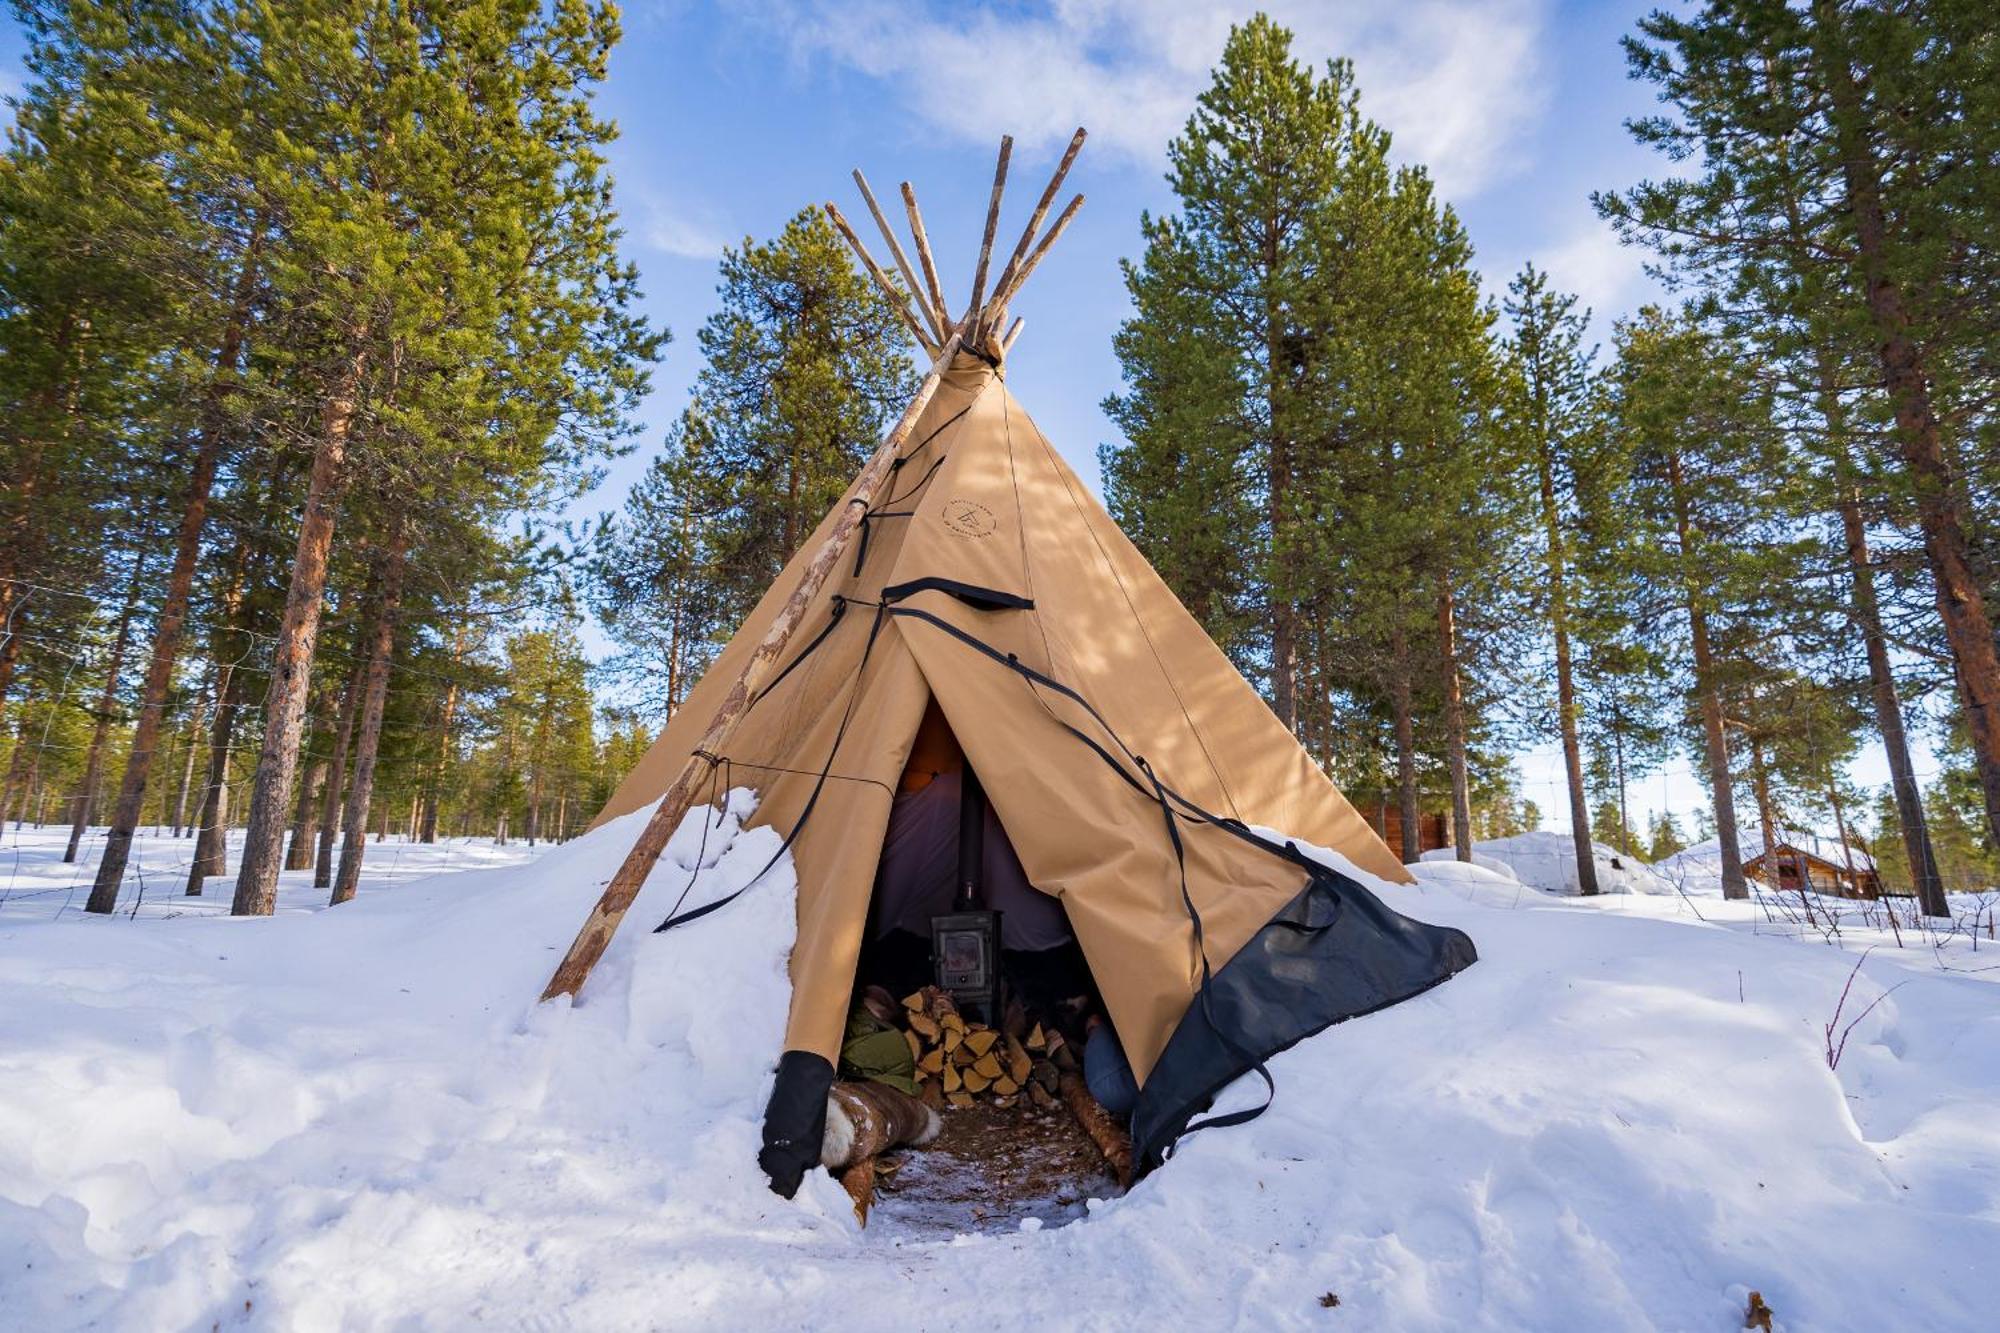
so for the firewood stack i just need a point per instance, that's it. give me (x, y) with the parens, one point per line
(960, 1061)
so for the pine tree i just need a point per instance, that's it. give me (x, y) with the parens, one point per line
(1708, 483)
(651, 576)
(1276, 176)
(1845, 172)
(1665, 837)
(804, 368)
(499, 185)
(1552, 417)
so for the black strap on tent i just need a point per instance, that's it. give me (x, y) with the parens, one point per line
(839, 610)
(884, 510)
(981, 599)
(680, 918)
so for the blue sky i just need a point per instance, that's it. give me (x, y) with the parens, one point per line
(736, 116)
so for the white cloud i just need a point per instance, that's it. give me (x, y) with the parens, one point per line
(677, 231)
(1604, 274)
(1454, 80)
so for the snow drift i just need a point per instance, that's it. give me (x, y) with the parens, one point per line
(1623, 1118)
(1547, 861)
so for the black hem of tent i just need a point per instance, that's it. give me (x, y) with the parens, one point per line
(1333, 953)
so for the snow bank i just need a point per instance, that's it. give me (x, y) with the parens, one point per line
(1547, 861)
(1621, 1118)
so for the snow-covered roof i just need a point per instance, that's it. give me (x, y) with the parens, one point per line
(1706, 857)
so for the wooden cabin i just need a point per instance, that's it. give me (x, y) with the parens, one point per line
(1384, 814)
(1825, 865)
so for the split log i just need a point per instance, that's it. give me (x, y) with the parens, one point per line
(859, 1182)
(1110, 1138)
(1018, 1062)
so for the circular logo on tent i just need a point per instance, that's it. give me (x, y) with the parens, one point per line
(969, 518)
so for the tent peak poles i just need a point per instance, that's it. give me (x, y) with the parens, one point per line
(623, 889)
(986, 316)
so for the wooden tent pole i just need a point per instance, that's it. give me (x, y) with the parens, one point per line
(619, 894)
(934, 316)
(889, 292)
(992, 223)
(1013, 287)
(1035, 219)
(924, 252)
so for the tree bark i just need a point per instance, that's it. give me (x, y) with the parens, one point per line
(1941, 505)
(361, 788)
(299, 847)
(211, 855)
(93, 763)
(331, 796)
(187, 768)
(1624, 808)
(433, 789)
(1722, 791)
(13, 626)
(1912, 824)
(1402, 705)
(1454, 724)
(292, 657)
(1557, 564)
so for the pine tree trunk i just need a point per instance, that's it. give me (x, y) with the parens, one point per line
(1566, 710)
(1767, 821)
(1277, 484)
(211, 848)
(331, 796)
(93, 763)
(1454, 725)
(1722, 791)
(368, 742)
(168, 629)
(17, 767)
(1913, 827)
(187, 765)
(291, 664)
(299, 847)
(1941, 504)
(433, 789)
(1624, 811)
(13, 627)
(1406, 755)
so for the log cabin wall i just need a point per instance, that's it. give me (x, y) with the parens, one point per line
(1386, 817)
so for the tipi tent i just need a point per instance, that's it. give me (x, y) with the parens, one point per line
(1124, 755)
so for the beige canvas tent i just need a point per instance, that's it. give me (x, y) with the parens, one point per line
(1125, 756)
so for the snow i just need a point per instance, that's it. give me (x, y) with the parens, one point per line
(358, 1118)
(1547, 861)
